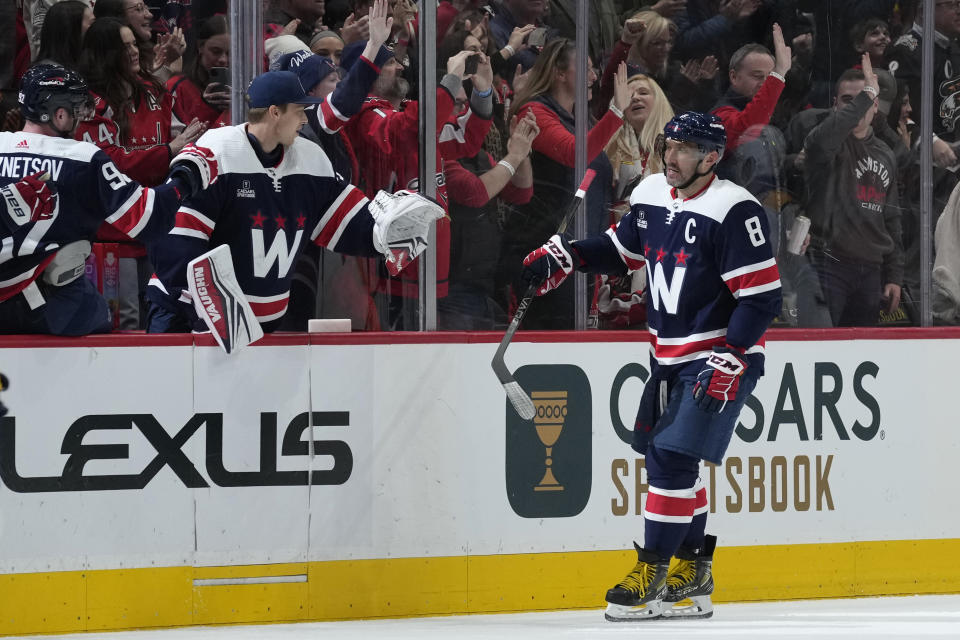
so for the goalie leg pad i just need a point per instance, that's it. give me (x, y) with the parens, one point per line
(219, 301)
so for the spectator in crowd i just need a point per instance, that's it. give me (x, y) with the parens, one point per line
(133, 120)
(719, 27)
(946, 266)
(464, 36)
(44, 289)
(634, 155)
(195, 95)
(161, 59)
(451, 11)
(854, 208)
(513, 14)
(474, 184)
(833, 21)
(799, 80)
(900, 117)
(905, 64)
(328, 44)
(667, 8)
(604, 23)
(632, 149)
(61, 37)
(756, 81)
(871, 36)
(550, 94)
(34, 15)
(274, 48)
(754, 154)
(646, 42)
(133, 123)
(308, 12)
(385, 135)
(886, 100)
(320, 78)
(12, 50)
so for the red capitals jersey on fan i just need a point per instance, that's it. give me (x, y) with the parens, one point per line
(188, 103)
(142, 153)
(386, 141)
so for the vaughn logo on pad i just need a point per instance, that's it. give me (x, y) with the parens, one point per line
(219, 301)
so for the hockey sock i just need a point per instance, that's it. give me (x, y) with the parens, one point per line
(698, 526)
(671, 500)
(666, 517)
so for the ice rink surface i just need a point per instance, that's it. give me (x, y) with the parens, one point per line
(862, 619)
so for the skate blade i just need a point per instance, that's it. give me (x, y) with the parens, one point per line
(623, 613)
(695, 607)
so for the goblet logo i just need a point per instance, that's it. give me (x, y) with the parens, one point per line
(551, 411)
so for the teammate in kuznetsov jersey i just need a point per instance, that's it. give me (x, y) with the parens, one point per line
(43, 223)
(713, 290)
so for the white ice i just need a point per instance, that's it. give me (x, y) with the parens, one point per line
(904, 618)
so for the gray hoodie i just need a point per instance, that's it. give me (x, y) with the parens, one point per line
(853, 200)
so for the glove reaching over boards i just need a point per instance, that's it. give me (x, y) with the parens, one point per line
(548, 266)
(719, 380)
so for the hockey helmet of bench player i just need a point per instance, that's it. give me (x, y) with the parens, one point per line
(702, 129)
(48, 87)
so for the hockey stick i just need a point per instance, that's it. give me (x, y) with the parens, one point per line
(519, 398)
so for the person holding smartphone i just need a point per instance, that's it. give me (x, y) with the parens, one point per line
(203, 90)
(514, 14)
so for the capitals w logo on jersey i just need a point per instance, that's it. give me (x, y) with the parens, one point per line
(281, 252)
(663, 293)
(703, 256)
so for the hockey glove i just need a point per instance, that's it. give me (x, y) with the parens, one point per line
(547, 267)
(401, 223)
(31, 199)
(719, 380)
(195, 166)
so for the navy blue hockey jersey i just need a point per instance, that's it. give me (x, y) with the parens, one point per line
(711, 275)
(90, 190)
(266, 216)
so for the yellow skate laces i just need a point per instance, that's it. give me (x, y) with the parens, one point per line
(684, 573)
(638, 579)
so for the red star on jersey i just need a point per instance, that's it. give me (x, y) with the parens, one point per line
(646, 249)
(258, 220)
(281, 222)
(681, 257)
(301, 221)
(660, 254)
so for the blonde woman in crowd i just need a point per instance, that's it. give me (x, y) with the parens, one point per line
(633, 156)
(631, 150)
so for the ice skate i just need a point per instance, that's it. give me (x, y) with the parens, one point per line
(690, 583)
(639, 596)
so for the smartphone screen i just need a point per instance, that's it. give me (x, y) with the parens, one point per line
(537, 37)
(471, 64)
(220, 75)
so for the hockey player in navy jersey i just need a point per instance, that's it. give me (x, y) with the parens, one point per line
(46, 226)
(713, 290)
(277, 191)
